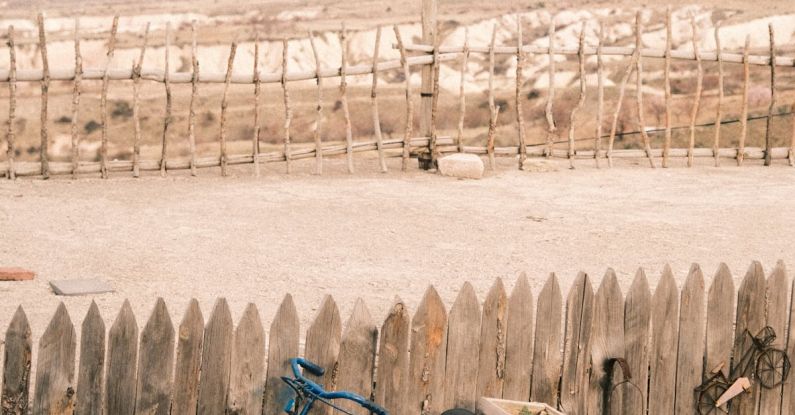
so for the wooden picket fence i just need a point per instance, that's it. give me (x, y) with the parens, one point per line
(417, 365)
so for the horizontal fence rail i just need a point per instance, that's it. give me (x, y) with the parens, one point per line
(427, 143)
(519, 345)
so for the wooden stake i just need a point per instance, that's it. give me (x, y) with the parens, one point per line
(12, 104)
(719, 112)
(373, 95)
(257, 87)
(744, 114)
(194, 80)
(697, 98)
(435, 101)
(409, 102)
(639, 90)
(45, 87)
(287, 111)
(429, 35)
(137, 104)
(600, 95)
(319, 119)
(462, 94)
(551, 128)
(344, 99)
(520, 56)
(103, 103)
(492, 107)
(167, 118)
(668, 116)
(772, 107)
(581, 101)
(621, 90)
(76, 101)
(225, 104)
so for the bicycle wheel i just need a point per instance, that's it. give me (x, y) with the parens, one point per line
(457, 411)
(772, 368)
(707, 398)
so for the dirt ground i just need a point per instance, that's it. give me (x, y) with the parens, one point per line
(378, 235)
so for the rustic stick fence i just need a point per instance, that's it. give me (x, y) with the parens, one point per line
(518, 346)
(429, 145)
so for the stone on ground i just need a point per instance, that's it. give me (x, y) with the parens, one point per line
(464, 166)
(539, 165)
(15, 274)
(80, 287)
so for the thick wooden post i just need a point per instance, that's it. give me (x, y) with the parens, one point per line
(429, 19)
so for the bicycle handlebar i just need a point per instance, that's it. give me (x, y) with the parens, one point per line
(298, 363)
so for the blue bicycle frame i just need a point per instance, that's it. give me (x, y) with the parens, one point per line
(308, 392)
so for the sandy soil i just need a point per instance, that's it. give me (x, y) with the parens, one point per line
(377, 236)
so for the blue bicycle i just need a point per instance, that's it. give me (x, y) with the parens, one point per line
(308, 392)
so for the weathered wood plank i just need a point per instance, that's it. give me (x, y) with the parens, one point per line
(189, 357)
(393, 361)
(16, 365)
(323, 347)
(750, 316)
(248, 365)
(282, 346)
(55, 369)
(637, 326)
(121, 363)
(428, 351)
(92, 363)
(665, 328)
(519, 341)
(607, 342)
(576, 354)
(216, 360)
(155, 363)
(463, 332)
(720, 321)
(491, 356)
(788, 389)
(546, 349)
(690, 359)
(777, 306)
(357, 354)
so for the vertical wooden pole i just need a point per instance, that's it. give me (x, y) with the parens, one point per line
(12, 104)
(137, 66)
(493, 110)
(719, 111)
(103, 103)
(667, 70)
(257, 87)
(45, 87)
(344, 99)
(791, 152)
(76, 101)
(639, 87)
(225, 104)
(287, 111)
(319, 118)
(461, 94)
(744, 114)
(621, 90)
(194, 81)
(600, 94)
(581, 100)
(772, 107)
(429, 18)
(379, 140)
(551, 128)
(167, 118)
(520, 56)
(435, 101)
(409, 103)
(697, 98)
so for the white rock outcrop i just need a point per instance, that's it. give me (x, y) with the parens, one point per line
(464, 166)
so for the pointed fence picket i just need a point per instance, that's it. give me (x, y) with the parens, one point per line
(667, 343)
